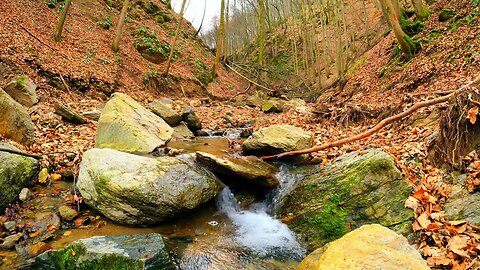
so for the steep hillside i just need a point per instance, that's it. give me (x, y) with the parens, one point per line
(84, 59)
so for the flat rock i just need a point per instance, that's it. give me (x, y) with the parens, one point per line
(463, 205)
(15, 122)
(359, 188)
(68, 114)
(135, 190)
(277, 139)
(165, 112)
(16, 172)
(22, 90)
(181, 131)
(133, 252)
(252, 170)
(127, 126)
(370, 247)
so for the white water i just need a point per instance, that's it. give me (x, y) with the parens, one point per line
(256, 230)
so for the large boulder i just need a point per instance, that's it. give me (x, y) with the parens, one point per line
(133, 252)
(127, 126)
(249, 169)
(165, 112)
(277, 139)
(370, 247)
(16, 172)
(22, 89)
(15, 122)
(137, 190)
(358, 188)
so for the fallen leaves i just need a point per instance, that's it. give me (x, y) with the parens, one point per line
(472, 115)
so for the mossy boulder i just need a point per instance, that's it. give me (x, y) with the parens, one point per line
(150, 47)
(165, 112)
(358, 188)
(370, 247)
(446, 14)
(16, 172)
(127, 126)
(277, 139)
(273, 106)
(22, 90)
(251, 170)
(15, 122)
(133, 252)
(135, 190)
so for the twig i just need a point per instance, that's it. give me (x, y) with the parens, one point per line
(241, 93)
(183, 91)
(239, 74)
(64, 83)
(35, 37)
(379, 126)
(13, 151)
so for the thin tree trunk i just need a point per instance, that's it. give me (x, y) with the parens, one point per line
(177, 32)
(203, 18)
(121, 22)
(421, 10)
(219, 39)
(261, 32)
(392, 16)
(61, 22)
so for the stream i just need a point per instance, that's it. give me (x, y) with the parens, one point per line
(235, 231)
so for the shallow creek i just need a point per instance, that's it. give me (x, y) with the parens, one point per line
(233, 232)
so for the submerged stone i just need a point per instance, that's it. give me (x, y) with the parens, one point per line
(133, 252)
(358, 188)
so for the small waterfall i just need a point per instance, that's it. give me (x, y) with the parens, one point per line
(258, 231)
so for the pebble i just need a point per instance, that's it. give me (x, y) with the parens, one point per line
(67, 213)
(10, 241)
(10, 225)
(43, 176)
(25, 194)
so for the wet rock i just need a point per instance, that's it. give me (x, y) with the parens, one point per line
(25, 194)
(16, 172)
(370, 247)
(22, 90)
(272, 106)
(136, 190)
(204, 132)
(249, 169)
(10, 241)
(181, 131)
(68, 175)
(67, 213)
(15, 122)
(10, 225)
(189, 117)
(68, 114)
(127, 126)
(358, 188)
(38, 248)
(134, 252)
(277, 139)
(165, 112)
(94, 115)
(463, 205)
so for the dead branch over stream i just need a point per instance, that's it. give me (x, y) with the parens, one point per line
(380, 125)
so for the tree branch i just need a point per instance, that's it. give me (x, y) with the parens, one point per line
(17, 152)
(380, 125)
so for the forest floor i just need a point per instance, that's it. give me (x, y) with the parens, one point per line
(450, 58)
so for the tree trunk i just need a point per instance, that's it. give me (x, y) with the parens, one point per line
(177, 32)
(421, 10)
(203, 18)
(61, 22)
(121, 22)
(219, 39)
(261, 32)
(392, 16)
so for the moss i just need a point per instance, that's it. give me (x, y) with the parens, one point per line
(330, 222)
(446, 14)
(202, 73)
(151, 48)
(353, 68)
(71, 258)
(21, 80)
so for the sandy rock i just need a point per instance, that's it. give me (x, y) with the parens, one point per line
(22, 90)
(15, 122)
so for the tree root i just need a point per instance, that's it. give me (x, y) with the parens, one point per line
(380, 125)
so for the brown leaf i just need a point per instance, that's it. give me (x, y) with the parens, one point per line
(423, 220)
(458, 244)
(472, 114)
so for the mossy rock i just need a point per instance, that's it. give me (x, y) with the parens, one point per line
(151, 48)
(16, 172)
(15, 122)
(446, 14)
(132, 252)
(358, 188)
(272, 106)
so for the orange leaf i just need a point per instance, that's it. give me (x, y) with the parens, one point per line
(472, 114)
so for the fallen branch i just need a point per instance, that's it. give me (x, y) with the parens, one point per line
(255, 83)
(18, 152)
(380, 125)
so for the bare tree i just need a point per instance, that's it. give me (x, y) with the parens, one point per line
(121, 22)
(177, 32)
(61, 21)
